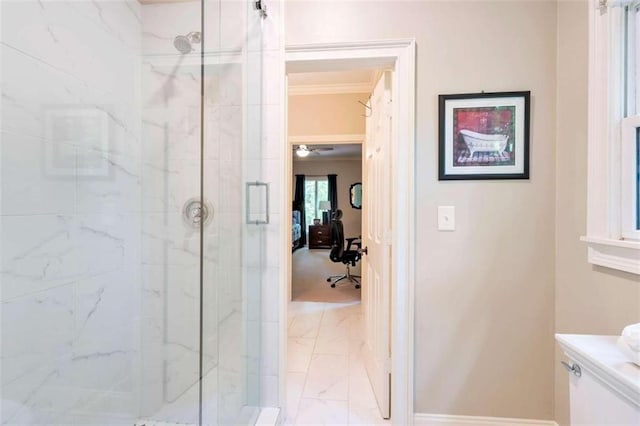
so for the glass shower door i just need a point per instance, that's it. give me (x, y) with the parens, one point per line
(202, 134)
(232, 258)
(173, 217)
(130, 270)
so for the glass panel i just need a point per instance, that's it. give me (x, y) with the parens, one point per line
(635, 43)
(637, 192)
(71, 215)
(127, 272)
(170, 72)
(316, 191)
(310, 201)
(632, 59)
(231, 150)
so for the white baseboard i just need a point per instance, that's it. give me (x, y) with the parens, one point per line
(423, 419)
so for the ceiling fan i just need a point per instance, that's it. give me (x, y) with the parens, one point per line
(305, 150)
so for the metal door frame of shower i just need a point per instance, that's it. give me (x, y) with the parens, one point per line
(401, 56)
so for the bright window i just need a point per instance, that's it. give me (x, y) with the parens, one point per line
(630, 141)
(316, 189)
(613, 209)
(631, 178)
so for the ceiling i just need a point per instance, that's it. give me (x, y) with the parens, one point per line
(351, 151)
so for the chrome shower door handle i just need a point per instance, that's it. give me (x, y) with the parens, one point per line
(251, 189)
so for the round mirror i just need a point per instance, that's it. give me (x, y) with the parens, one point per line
(355, 195)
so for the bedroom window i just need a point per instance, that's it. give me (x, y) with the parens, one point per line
(631, 178)
(613, 204)
(316, 189)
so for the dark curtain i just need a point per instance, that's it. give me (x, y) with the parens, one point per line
(333, 193)
(298, 204)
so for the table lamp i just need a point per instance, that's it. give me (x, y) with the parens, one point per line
(325, 206)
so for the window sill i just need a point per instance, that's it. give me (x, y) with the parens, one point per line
(623, 255)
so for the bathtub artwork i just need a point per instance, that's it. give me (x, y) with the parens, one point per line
(494, 145)
(484, 136)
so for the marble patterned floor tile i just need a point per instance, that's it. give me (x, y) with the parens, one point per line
(334, 373)
(336, 325)
(306, 325)
(331, 343)
(322, 412)
(360, 390)
(299, 351)
(365, 415)
(296, 308)
(327, 377)
(295, 386)
(347, 308)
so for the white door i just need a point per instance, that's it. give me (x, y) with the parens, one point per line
(376, 213)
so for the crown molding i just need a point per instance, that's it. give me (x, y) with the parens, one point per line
(326, 139)
(346, 46)
(320, 158)
(330, 89)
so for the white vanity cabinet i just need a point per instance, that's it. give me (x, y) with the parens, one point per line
(604, 386)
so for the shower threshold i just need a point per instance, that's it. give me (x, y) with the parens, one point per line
(265, 417)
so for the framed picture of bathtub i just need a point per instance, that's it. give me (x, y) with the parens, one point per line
(484, 136)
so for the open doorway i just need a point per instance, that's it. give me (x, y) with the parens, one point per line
(326, 129)
(329, 118)
(386, 330)
(324, 177)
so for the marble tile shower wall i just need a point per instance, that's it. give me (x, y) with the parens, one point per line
(99, 272)
(70, 215)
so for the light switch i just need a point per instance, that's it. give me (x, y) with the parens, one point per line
(446, 218)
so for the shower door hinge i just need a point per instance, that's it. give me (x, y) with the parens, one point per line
(603, 5)
(260, 7)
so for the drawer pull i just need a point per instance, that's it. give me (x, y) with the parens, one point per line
(574, 369)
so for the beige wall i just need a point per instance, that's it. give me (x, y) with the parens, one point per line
(589, 299)
(338, 114)
(349, 172)
(485, 293)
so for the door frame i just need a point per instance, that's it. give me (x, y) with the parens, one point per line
(401, 56)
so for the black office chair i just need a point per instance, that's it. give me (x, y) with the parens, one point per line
(338, 252)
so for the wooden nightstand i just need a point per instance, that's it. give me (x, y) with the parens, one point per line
(319, 236)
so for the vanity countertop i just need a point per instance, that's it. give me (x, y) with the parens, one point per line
(601, 357)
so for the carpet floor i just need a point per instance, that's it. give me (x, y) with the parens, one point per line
(310, 269)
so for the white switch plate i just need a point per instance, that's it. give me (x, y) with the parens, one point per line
(446, 218)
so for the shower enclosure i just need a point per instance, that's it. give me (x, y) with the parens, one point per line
(131, 211)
